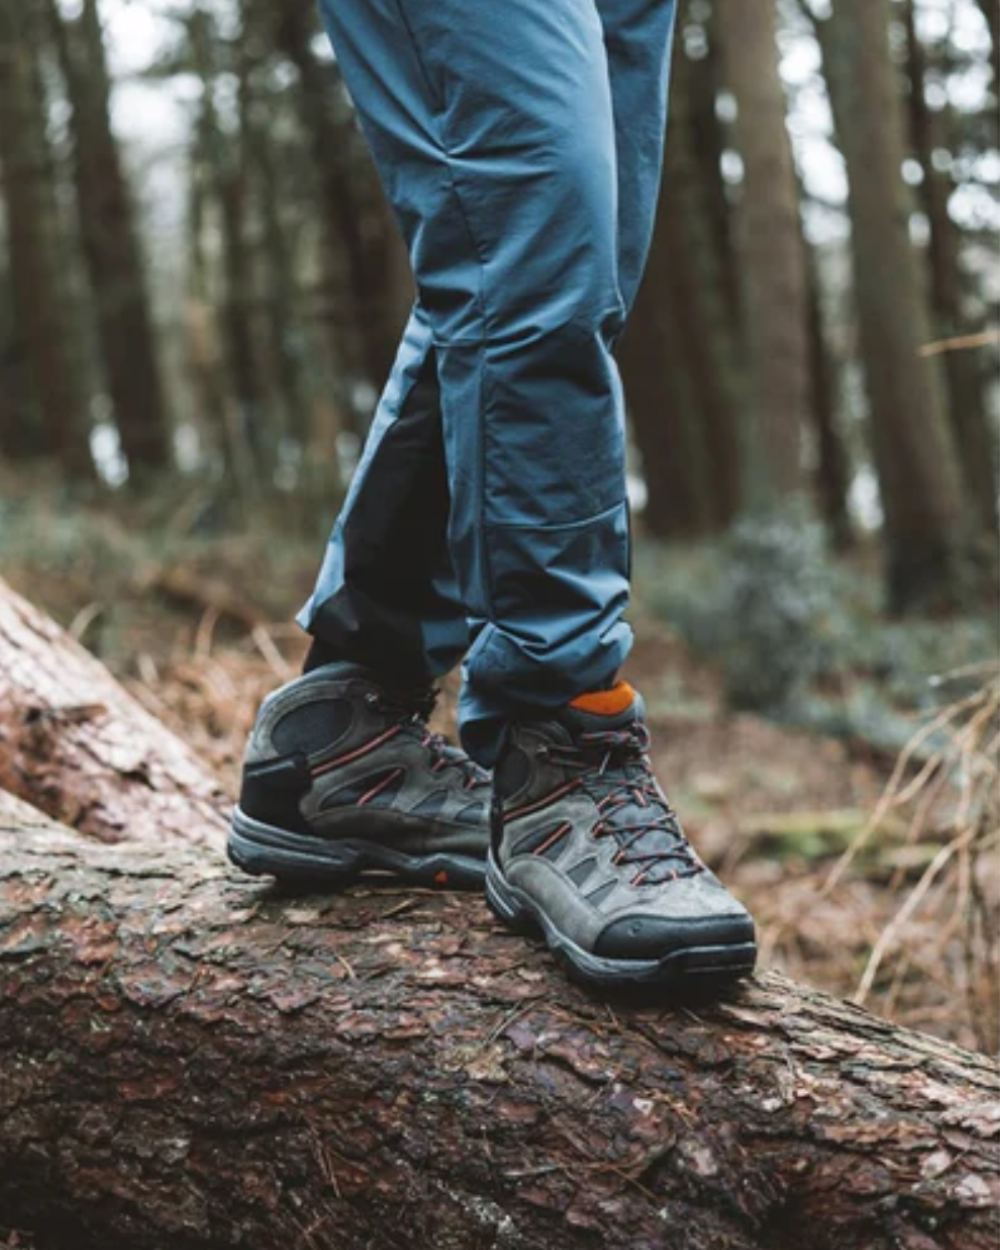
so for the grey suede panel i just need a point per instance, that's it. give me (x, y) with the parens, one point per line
(542, 777)
(450, 828)
(546, 878)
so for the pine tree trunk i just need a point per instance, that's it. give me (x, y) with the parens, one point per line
(111, 247)
(222, 171)
(193, 1061)
(991, 12)
(914, 456)
(41, 297)
(280, 268)
(677, 355)
(771, 252)
(832, 469)
(362, 240)
(21, 434)
(963, 369)
(705, 80)
(663, 412)
(697, 258)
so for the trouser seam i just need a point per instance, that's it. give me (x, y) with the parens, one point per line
(554, 526)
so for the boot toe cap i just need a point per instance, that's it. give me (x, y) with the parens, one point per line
(652, 937)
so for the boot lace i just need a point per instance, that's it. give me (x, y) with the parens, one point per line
(613, 768)
(411, 709)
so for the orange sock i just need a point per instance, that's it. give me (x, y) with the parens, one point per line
(605, 702)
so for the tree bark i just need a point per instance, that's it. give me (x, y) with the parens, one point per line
(833, 470)
(705, 80)
(964, 373)
(192, 1060)
(224, 169)
(913, 450)
(677, 354)
(772, 254)
(278, 247)
(111, 247)
(663, 412)
(42, 299)
(991, 12)
(74, 743)
(362, 240)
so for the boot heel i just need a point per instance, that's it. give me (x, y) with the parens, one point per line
(504, 905)
(262, 850)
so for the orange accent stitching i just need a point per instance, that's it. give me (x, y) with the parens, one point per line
(365, 747)
(544, 801)
(552, 839)
(605, 702)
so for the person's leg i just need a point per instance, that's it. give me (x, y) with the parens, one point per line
(495, 141)
(496, 146)
(341, 773)
(385, 596)
(585, 846)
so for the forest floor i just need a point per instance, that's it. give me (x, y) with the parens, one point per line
(199, 632)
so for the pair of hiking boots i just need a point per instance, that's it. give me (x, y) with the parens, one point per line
(572, 834)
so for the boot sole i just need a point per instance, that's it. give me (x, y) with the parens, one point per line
(301, 859)
(691, 968)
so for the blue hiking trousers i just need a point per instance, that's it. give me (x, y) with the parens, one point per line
(520, 145)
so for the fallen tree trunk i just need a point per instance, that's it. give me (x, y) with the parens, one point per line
(188, 1060)
(78, 746)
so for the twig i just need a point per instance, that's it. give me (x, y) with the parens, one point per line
(960, 343)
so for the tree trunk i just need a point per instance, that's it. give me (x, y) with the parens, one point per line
(702, 314)
(223, 166)
(991, 12)
(833, 471)
(192, 1060)
(677, 354)
(362, 239)
(111, 247)
(664, 416)
(73, 742)
(772, 251)
(41, 295)
(913, 451)
(704, 81)
(963, 369)
(280, 269)
(21, 434)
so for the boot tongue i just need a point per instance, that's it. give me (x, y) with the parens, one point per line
(604, 711)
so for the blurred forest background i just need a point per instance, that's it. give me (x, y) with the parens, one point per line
(200, 293)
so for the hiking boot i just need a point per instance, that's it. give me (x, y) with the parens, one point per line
(587, 848)
(342, 775)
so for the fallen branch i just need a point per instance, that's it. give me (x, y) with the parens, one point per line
(190, 1060)
(79, 747)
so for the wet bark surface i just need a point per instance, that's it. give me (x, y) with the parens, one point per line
(78, 746)
(191, 1060)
